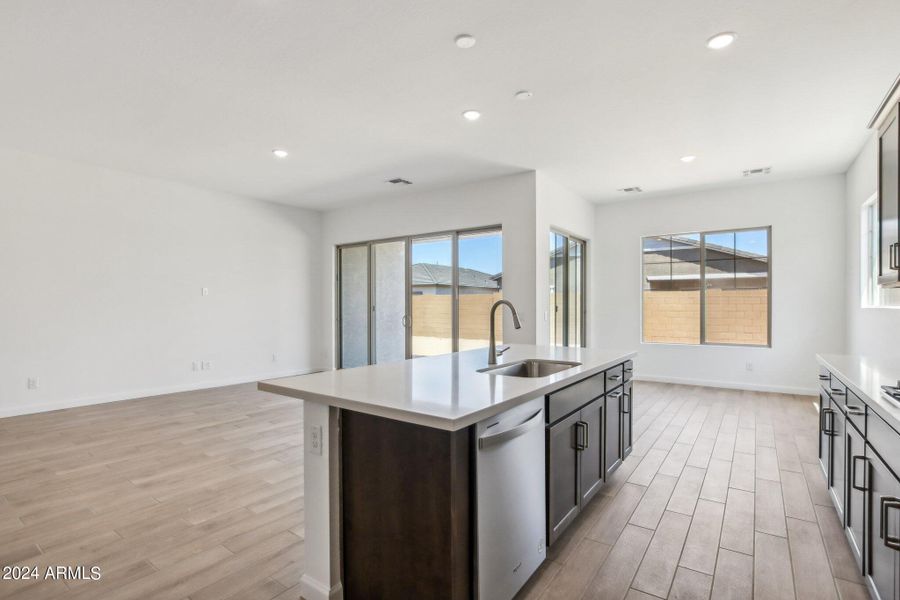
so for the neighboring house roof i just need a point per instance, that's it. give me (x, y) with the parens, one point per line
(429, 274)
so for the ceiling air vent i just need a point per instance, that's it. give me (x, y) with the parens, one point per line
(399, 181)
(628, 190)
(759, 171)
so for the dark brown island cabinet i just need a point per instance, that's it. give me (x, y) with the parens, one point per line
(409, 510)
(859, 452)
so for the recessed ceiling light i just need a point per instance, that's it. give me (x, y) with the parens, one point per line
(524, 95)
(721, 40)
(471, 115)
(279, 153)
(464, 40)
(688, 158)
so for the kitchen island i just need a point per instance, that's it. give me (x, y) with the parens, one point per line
(395, 458)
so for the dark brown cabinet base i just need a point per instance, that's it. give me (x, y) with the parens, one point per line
(406, 506)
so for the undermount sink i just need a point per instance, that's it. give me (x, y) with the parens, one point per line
(532, 367)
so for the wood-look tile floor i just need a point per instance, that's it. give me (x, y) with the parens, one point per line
(199, 495)
(722, 498)
(196, 495)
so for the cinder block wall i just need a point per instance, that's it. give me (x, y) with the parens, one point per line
(732, 316)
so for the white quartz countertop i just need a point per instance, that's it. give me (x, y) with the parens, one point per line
(446, 391)
(865, 376)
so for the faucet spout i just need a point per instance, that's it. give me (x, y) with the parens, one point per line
(492, 349)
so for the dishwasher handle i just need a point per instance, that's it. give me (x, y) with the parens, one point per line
(486, 441)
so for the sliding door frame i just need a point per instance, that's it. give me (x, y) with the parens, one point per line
(408, 241)
(565, 291)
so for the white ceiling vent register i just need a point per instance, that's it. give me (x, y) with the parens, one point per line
(759, 171)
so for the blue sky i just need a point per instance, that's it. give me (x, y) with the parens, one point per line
(482, 253)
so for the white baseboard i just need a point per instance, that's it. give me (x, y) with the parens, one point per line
(39, 407)
(731, 385)
(313, 589)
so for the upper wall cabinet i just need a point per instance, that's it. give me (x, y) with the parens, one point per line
(887, 124)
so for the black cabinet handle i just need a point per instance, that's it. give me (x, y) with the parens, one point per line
(587, 435)
(626, 406)
(894, 258)
(856, 410)
(615, 377)
(865, 485)
(825, 429)
(580, 435)
(824, 377)
(887, 503)
(838, 391)
(616, 395)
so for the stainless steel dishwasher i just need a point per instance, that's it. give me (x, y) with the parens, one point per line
(511, 503)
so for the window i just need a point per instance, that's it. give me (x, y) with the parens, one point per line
(871, 294)
(707, 288)
(566, 303)
(417, 295)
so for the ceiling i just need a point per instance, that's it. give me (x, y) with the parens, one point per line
(361, 92)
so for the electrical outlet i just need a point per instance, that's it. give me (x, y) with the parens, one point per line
(34, 383)
(195, 366)
(315, 440)
(749, 366)
(204, 291)
(206, 365)
(274, 357)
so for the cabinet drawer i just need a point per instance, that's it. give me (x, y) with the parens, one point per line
(824, 378)
(614, 377)
(838, 391)
(885, 441)
(856, 410)
(628, 369)
(572, 398)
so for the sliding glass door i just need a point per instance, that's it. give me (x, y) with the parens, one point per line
(417, 296)
(566, 302)
(372, 310)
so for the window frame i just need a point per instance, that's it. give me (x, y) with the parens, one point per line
(408, 240)
(584, 293)
(703, 288)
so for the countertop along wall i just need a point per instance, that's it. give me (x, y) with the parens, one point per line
(102, 272)
(508, 201)
(871, 331)
(808, 302)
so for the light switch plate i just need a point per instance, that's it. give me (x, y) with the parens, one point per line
(315, 440)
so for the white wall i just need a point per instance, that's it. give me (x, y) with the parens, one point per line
(560, 209)
(870, 331)
(508, 201)
(100, 285)
(808, 301)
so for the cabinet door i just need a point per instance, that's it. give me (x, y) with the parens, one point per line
(592, 470)
(614, 403)
(562, 477)
(826, 418)
(889, 203)
(627, 419)
(883, 563)
(837, 484)
(858, 466)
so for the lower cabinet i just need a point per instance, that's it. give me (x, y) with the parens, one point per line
(627, 419)
(615, 400)
(589, 442)
(837, 481)
(589, 433)
(563, 492)
(860, 456)
(883, 564)
(854, 510)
